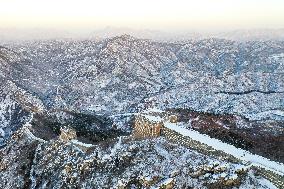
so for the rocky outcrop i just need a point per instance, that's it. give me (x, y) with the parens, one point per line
(67, 134)
(16, 160)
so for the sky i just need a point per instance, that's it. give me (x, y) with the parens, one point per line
(147, 14)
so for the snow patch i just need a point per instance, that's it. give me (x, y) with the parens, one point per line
(153, 118)
(2, 132)
(81, 143)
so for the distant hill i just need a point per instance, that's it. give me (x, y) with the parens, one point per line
(253, 35)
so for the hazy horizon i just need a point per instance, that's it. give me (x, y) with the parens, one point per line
(41, 19)
(169, 15)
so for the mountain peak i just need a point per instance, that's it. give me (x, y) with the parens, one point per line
(125, 37)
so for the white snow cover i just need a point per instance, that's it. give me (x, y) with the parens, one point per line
(6, 109)
(121, 115)
(81, 143)
(2, 132)
(267, 114)
(278, 112)
(265, 182)
(29, 134)
(153, 118)
(114, 150)
(255, 160)
(154, 109)
(167, 181)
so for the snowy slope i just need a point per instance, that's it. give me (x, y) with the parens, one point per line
(12, 114)
(119, 74)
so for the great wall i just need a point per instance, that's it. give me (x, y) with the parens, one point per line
(156, 123)
(152, 124)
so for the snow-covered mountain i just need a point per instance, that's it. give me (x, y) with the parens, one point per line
(122, 74)
(93, 87)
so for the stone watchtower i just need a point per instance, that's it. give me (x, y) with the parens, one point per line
(144, 127)
(67, 134)
(150, 123)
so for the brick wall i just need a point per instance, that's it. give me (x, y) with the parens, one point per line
(276, 179)
(196, 145)
(175, 137)
(144, 128)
